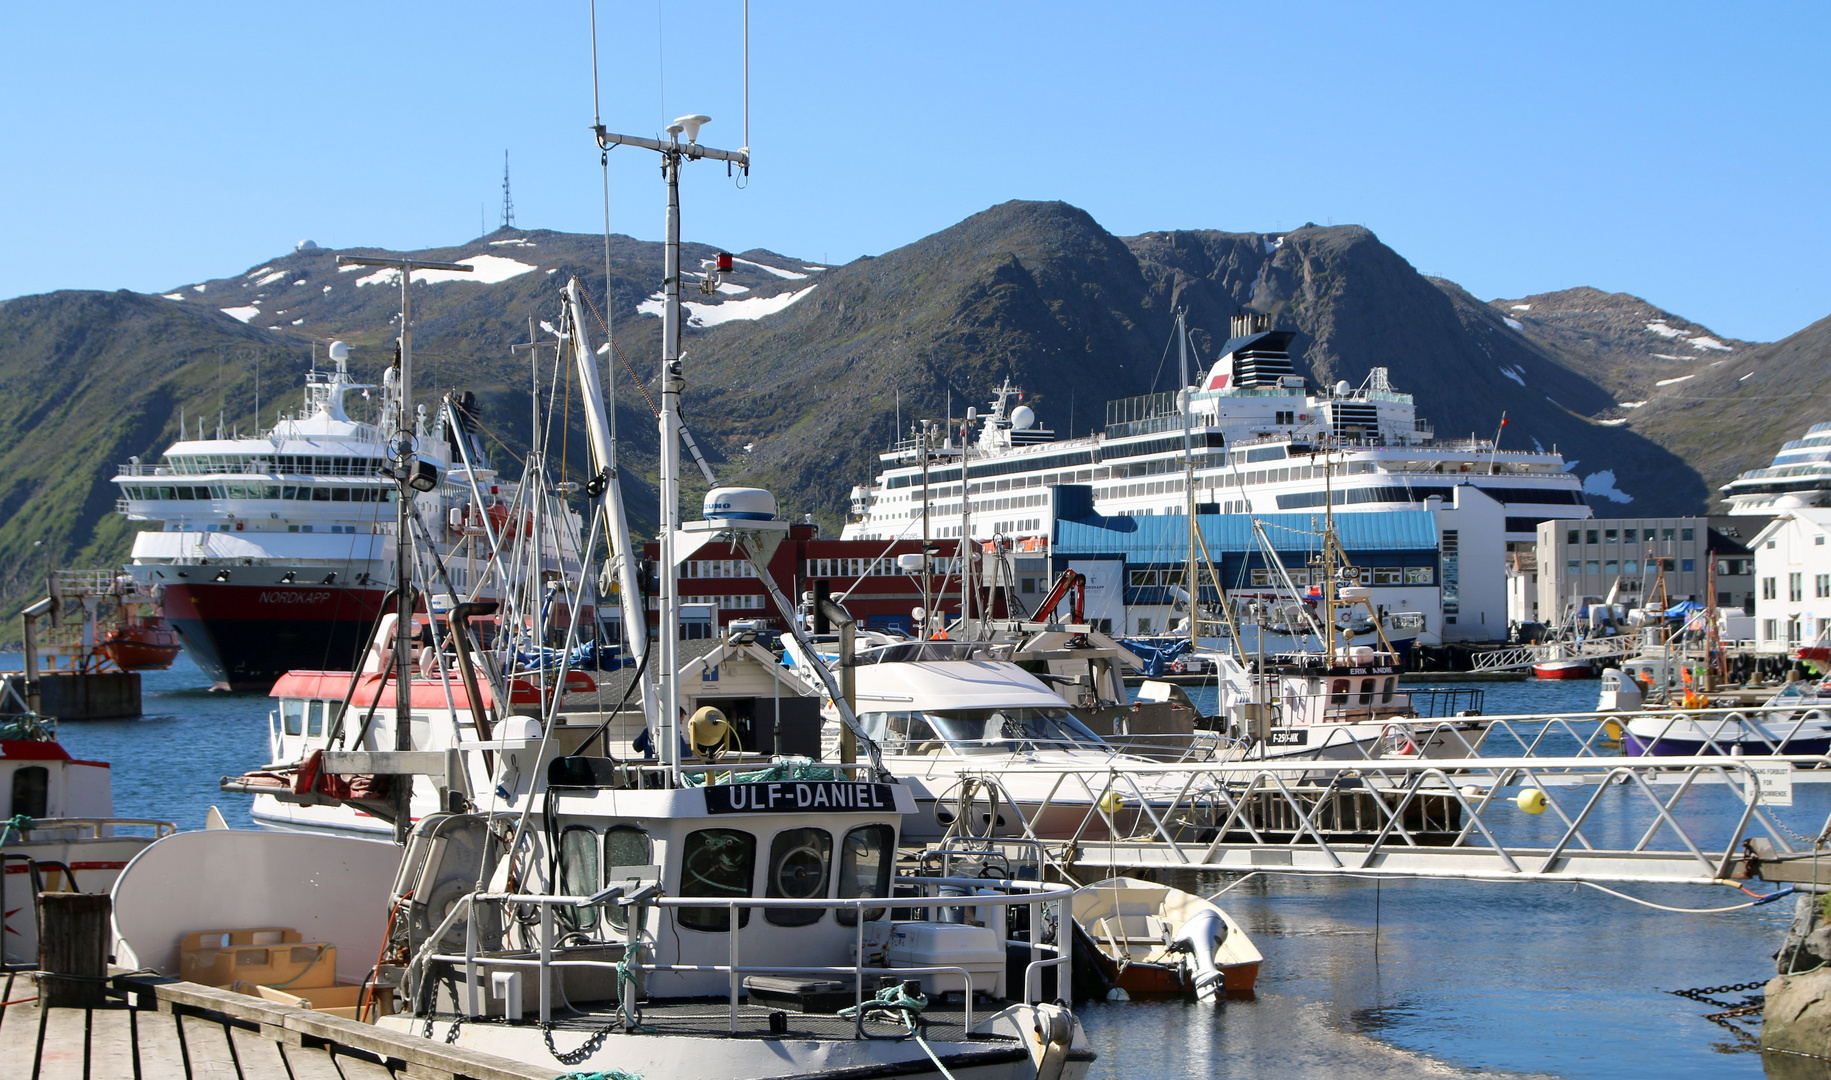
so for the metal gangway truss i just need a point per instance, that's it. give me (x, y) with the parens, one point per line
(1520, 656)
(1534, 798)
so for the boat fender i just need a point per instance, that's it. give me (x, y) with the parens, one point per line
(1201, 938)
(1531, 800)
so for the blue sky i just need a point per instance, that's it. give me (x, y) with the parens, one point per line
(1675, 151)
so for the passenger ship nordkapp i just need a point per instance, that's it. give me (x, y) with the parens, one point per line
(277, 551)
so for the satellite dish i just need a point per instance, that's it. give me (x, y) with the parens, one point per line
(1342, 389)
(1022, 417)
(339, 351)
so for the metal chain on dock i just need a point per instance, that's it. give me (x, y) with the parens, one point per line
(585, 1050)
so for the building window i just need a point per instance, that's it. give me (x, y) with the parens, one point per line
(1769, 592)
(1770, 545)
(1687, 565)
(1687, 534)
(1593, 566)
(1795, 587)
(1572, 537)
(1388, 575)
(1631, 566)
(1610, 535)
(1574, 566)
(1792, 631)
(1821, 585)
(1590, 536)
(1725, 599)
(1628, 535)
(1418, 575)
(1767, 629)
(1666, 534)
(1611, 567)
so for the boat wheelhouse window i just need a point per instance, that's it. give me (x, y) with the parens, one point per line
(716, 863)
(578, 875)
(799, 863)
(1014, 729)
(31, 791)
(624, 845)
(292, 715)
(1391, 680)
(1366, 691)
(1338, 692)
(864, 868)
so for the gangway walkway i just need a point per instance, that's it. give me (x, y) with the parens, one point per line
(1527, 655)
(1585, 816)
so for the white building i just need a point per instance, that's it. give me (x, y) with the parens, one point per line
(1792, 579)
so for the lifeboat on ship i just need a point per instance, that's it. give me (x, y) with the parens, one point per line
(141, 643)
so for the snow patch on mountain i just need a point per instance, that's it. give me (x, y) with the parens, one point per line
(1602, 483)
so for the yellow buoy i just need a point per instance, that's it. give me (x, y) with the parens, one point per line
(1531, 800)
(1111, 802)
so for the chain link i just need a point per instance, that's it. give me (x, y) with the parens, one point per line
(585, 1050)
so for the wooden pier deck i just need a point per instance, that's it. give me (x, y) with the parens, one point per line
(163, 1029)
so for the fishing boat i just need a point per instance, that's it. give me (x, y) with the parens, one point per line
(62, 834)
(1150, 940)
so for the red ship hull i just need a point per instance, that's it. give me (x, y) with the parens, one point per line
(246, 636)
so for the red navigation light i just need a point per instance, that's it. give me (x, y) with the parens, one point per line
(724, 262)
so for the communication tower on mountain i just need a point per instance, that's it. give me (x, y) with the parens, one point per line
(508, 204)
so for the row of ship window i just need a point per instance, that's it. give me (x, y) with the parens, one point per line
(288, 464)
(289, 492)
(721, 864)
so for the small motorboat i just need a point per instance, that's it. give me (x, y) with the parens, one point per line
(1564, 669)
(1797, 720)
(1153, 940)
(140, 643)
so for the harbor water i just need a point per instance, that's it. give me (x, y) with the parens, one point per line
(1361, 977)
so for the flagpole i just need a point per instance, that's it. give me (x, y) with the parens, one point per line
(1496, 448)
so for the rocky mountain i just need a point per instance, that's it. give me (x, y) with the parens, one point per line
(797, 372)
(1738, 411)
(1634, 350)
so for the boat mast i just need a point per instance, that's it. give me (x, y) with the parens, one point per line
(1193, 591)
(407, 480)
(665, 734)
(599, 427)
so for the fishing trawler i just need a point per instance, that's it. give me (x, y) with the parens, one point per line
(1257, 431)
(278, 549)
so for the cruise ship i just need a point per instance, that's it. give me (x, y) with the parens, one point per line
(1263, 440)
(1798, 477)
(276, 552)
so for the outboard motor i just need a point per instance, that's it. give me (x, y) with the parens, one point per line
(1201, 938)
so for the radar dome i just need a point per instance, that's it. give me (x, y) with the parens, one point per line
(1343, 389)
(739, 504)
(1022, 417)
(339, 351)
(306, 245)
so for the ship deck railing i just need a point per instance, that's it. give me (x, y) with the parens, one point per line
(634, 893)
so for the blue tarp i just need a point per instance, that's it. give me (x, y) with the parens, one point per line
(1683, 608)
(1156, 653)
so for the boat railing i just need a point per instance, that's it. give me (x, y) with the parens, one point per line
(978, 893)
(93, 828)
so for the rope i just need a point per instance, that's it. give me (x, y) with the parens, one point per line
(898, 1002)
(611, 1074)
(789, 768)
(17, 823)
